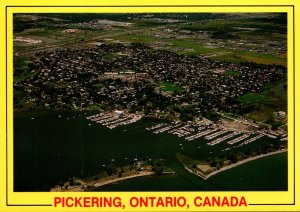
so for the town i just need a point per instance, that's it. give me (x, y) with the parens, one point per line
(83, 79)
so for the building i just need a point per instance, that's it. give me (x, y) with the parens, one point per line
(119, 113)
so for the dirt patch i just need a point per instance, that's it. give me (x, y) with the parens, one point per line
(70, 31)
(218, 71)
(204, 168)
(238, 125)
(27, 40)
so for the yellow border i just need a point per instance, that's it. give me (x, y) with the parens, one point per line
(47, 198)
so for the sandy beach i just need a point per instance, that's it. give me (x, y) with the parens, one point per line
(98, 184)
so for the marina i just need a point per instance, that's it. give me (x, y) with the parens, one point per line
(213, 135)
(112, 120)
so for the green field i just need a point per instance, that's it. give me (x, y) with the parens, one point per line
(272, 99)
(232, 73)
(170, 87)
(252, 98)
(98, 85)
(111, 56)
(20, 69)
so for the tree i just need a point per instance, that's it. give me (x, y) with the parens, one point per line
(232, 157)
(213, 163)
(158, 170)
(212, 115)
(71, 181)
(188, 113)
(274, 124)
(276, 143)
(111, 169)
(61, 183)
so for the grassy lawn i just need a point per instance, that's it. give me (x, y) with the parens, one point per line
(98, 85)
(21, 62)
(170, 87)
(111, 56)
(24, 76)
(232, 73)
(20, 68)
(272, 99)
(95, 107)
(250, 98)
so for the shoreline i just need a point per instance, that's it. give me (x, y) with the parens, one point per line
(99, 183)
(235, 164)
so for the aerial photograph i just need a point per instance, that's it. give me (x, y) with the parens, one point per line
(149, 102)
